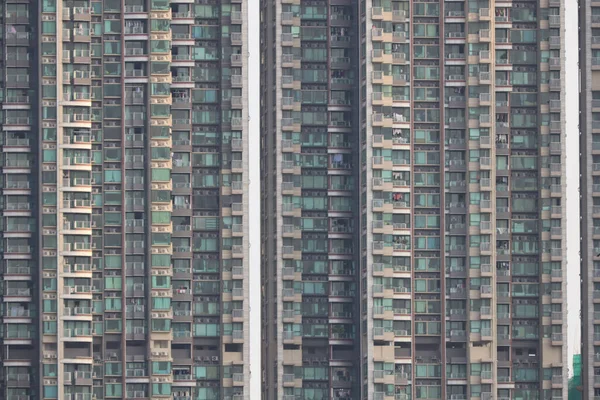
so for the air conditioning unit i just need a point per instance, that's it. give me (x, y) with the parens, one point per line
(215, 358)
(47, 253)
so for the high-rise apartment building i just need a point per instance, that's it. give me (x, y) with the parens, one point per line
(124, 200)
(413, 199)
(589, 163)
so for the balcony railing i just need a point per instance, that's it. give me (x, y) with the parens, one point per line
(18, 292)
(77, 332)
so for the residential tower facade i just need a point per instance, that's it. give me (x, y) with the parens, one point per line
(413, 200)
(124, 200)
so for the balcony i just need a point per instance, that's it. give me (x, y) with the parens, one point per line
(236, 123)
(18, 250)
(399, 16)
(135, 73)
(17, 38)
(454, 35)
(18, 292)
(134, 9)
(134, 30)
(236, 17)
(18, 334)
(18, 227)
(17, 81)
(135, 51)
(77, 289)
(18, 380)
(16, 99)
(77, 34)
(17, 59)
(136, 394)
(137, 119)
(17, 162)
(457, 334)
(485, 246)
(77, 118)
(17, 17)
(183, 57)
(556, 316)
(77, 203)
(74, 225)
(17, 270)
(236, 59)
(77, 311)
(75, 268)
(81, 13)
(77, 332)
(81, 56)
(77, 182)
(485, 290)
(77, 161)
(556, 210)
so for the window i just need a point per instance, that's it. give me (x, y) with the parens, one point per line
(161, 367)
(113, 304)
(161, 175)
(50, 392)
(161, 325)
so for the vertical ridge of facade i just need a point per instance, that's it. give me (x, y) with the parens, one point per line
(455, 146)
(589, 167)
